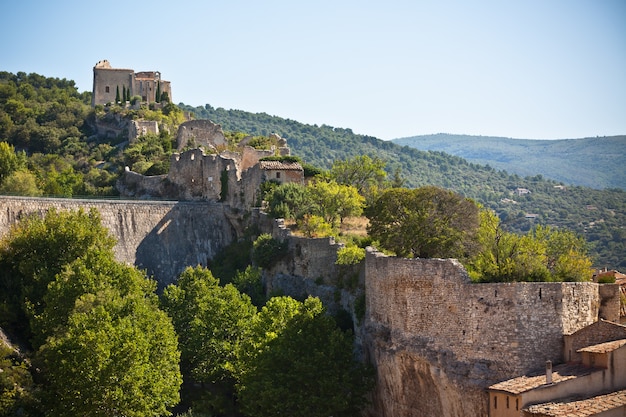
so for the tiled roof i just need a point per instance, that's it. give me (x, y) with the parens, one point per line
(604, 347)
(580, 408)
(278, 165)
(526, 383)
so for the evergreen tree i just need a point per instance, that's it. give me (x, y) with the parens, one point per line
(117, 94)
(157, 98)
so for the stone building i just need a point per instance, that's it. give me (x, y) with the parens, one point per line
(591, 382)
(109, 81)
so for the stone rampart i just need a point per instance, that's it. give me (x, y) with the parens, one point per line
(162, 237)
(438, 340)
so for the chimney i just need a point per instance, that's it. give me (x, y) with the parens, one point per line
(548, 372)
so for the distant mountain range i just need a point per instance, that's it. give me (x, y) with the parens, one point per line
(591, 162)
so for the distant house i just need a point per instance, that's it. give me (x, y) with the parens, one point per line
(282, 172)
(591, 383)
(522, 191)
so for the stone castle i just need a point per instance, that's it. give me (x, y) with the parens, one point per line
(108, 82)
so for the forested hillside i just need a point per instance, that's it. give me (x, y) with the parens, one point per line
(521, 202)
(590, 162)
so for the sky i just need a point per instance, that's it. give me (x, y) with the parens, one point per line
(527, 69)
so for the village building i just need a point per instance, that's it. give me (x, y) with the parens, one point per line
(591, 381)
(282, 171)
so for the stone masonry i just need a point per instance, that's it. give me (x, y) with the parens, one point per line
(162, 237)
(438, 340)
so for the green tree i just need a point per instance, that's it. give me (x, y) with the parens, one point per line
(365, 173)
(16, 384)
(312, 225)
(542, 254)
(334, 201)
(117, 94)
(158, 93)
(34, 251)
(116, 355)
(289, 201)
(249, 281)
(20, 182)
(266, 250)
(427, 222)
(94, 272)
(210, 321)
(302, 366)
(9, 160)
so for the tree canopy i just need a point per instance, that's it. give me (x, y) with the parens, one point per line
(301, 364)
(426, 222)
(101, 345)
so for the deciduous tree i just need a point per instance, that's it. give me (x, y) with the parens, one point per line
(303, 366)
(427, 222)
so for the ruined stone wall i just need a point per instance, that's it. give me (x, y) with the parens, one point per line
(142, 127)
(438, 340)
(199, 176)
(197, 133)
(161, 237)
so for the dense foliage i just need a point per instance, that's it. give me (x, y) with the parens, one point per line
(598, 215)
(289, 358)
(100, 344)
(299, 363)
(542, 254)
(425, 222)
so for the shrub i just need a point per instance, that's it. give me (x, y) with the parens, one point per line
(266, 250)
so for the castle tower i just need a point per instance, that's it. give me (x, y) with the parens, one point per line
(107, 81)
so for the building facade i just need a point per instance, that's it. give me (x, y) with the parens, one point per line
(110, 83)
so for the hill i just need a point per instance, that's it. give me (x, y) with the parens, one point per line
(591, 162)
(521, 202)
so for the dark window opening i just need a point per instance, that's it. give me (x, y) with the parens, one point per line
(517, 404)
(278, 175)
(106, 89)
(495, 401)
(507, 401)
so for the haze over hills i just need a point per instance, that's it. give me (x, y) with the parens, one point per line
(591, 162)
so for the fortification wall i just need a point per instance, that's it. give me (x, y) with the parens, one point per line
(161, 237)
(438, 340)
(197, 133)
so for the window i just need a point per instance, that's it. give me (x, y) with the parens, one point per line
(495, 401)
(106, 89)
(278, 175)
(507, 401)
(517, 404)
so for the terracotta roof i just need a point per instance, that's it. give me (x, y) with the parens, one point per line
(604, 347)
(580, 408)
(526, 383)
(284, 166)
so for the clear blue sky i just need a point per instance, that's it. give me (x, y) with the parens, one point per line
(534, 69)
